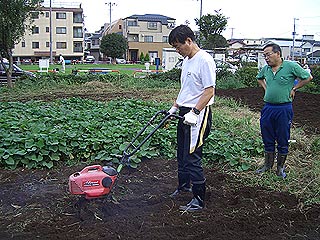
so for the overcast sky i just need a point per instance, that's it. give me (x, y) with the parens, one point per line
(247, 18)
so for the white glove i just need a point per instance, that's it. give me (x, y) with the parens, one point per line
(190, 118)
(173, 110)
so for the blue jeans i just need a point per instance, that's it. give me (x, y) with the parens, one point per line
(275, 123)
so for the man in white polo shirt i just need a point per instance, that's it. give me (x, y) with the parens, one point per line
(198, 80)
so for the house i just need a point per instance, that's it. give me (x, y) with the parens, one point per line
(147, 33)
(314, 57)
(55, 31)
(93, 40)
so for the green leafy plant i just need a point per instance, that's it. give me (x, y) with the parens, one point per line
(247, 76)
(141, 57)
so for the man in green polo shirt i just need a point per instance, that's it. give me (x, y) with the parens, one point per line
(277, 79)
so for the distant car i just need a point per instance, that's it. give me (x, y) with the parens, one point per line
(26, 61)
(89, 59)
(16, 72)
(121, 61)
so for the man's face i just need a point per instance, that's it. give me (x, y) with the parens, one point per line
(182, 48)
(270, 56)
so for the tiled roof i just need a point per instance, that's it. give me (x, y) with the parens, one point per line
(152, 18)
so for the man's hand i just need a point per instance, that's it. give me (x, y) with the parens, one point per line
(190, 118)
(173, 110)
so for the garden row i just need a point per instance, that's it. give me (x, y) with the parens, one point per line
(43, 134)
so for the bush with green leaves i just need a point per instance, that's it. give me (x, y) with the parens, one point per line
(233, 140)
(172, 75)
(42, 134)
(247, 76)
(227, 80)
(147, 57)
(141, 57)
(39, 134)
(314, 85)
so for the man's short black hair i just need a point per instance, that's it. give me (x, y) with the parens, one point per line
(180, 34)
(275, 48)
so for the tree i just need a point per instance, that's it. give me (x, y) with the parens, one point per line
(113, 45)
(211, 27)
(147, 57)
(214, 41)
(15, 20)
(141, 57)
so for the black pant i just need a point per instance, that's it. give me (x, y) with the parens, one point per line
(189, 162)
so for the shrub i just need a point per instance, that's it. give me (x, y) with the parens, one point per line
(147, 57)
(247, 76)
(227, 80)
(172, 75)
(141, 57)
(314, 86)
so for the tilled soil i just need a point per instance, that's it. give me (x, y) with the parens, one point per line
(36, 204)
(306, 106)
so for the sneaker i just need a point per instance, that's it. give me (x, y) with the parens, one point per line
(193, 206)
(178, 191)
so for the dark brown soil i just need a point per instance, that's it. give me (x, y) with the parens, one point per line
(36, 204)
(305, 106)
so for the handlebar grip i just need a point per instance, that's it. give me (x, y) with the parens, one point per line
(91, 168)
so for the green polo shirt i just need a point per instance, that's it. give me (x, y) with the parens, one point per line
(279, 84)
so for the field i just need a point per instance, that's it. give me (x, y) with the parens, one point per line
(36, 204)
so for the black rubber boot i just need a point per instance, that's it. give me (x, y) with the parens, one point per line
(179, 190)
(184, 185)
(268, 162)
(281, 158)
(197, 202)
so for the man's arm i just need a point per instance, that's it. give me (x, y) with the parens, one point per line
(205, 98)
(262, 83)
(300, 84)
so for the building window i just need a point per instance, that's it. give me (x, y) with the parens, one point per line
(77, 47)
(132, 23)
(165, 39)
(23, 44)
(35, 45)
(77, 18)
(77, 32)
(152, 25)
(61, 45)
(120, 27)
(148, 39)
(35, 30)
(61, 30)
(47, 44)
(133, 38)
(47, 14)
(61, 15)
(34, 15)
(47, 29)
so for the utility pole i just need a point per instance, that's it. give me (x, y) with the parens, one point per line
(293, 36)
(51, 58)
(110, 4)
(232, 33)
(200, 8)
